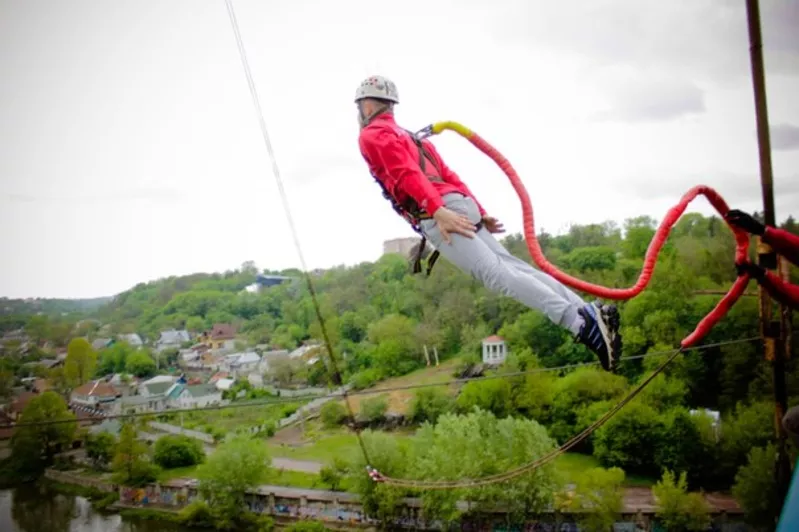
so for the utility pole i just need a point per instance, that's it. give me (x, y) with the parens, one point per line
(773, 332)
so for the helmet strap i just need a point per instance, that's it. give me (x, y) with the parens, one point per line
(365, 120)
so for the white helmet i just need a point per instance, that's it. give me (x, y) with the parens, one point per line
(377, 87)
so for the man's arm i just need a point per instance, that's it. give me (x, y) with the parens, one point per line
(385, 150)
(451, 177)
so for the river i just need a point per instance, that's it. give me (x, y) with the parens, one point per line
(36, 508)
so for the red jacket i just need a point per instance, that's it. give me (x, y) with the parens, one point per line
(393, 159)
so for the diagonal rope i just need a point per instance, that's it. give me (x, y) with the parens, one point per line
(286, 207)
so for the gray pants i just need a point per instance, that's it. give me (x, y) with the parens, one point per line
(489, 262)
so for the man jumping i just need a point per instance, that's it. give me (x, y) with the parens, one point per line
(438, 204)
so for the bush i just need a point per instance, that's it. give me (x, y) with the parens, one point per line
(755, 487)
(429, 404)
(178, 451)
(683, 448)
(365, 379)
(100, 448)
(374, 409)
(333, 414)
(491, 395)
(678, 509)
(628, 439)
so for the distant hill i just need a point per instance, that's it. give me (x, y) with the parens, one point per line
(50, 307)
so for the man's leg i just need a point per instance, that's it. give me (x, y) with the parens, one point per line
(597, 325)
(487, 261)
(559, 288)
(475, 257)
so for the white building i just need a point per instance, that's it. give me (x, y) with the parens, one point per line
(94, 393)
(494, 350)
(200, 395)
(172, 339)
(224, 385)
(132, 339)
(241, 364)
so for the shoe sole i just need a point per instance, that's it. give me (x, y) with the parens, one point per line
(610, 316)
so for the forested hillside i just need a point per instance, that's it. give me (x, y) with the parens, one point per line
(48, 306)
(381, 316)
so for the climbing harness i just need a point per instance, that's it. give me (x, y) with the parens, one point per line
(410, 210)
(701, 330)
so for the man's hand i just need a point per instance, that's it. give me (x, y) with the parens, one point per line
(492, 224)
(745, 222)
(451, 222)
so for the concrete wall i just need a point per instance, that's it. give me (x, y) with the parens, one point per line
(173, 429)
(344, 508)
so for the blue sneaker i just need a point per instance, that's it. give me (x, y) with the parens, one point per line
(600, 333)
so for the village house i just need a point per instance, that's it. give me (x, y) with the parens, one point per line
(222, 336)
(126, 385)
(197, 396)
(172, 339)
(101, 343)
(94, 394)
(272, 357)
(219, 375)
(21, 400)
(304, 349)
(242, 364)
(135, 404)
(15, 336)
(224, 385)
(157, 385)
(132, 339)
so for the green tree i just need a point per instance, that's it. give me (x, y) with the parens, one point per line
(374, 409)
(677, 509)
(491, 395)
(53, 429)
(114, 358)
(628, 438)
(755, 487)
(476, 445)
(38, 328)
(177, 450)
(80, 362)
(597, 499)
(131, 464)
(333, 414)
(6, 383)
(59, 382)
(236, 466)
(380, 501)
(334, 474)
(429, 404)
(100, 449)
(140, 364)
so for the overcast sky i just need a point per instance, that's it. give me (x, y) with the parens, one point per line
(130, 148)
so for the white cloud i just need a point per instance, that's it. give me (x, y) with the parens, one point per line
(129, 147)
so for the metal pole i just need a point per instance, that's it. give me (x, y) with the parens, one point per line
(773, 340)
